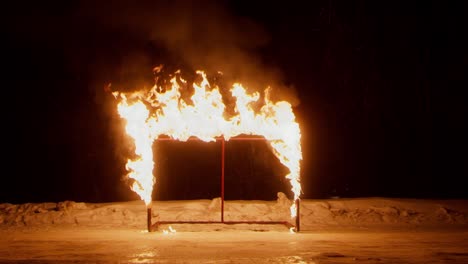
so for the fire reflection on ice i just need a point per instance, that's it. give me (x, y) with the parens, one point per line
(297, 260)
(147, 256)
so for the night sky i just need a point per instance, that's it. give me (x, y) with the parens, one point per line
(377, 87)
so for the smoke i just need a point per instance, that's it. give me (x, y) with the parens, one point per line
(189, 35)
(77, 48)
(130, 38)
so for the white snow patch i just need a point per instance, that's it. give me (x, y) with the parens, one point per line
(315, 214)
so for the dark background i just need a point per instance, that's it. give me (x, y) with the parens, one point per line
(377, 88)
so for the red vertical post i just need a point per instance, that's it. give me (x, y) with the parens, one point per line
(148, 219)
(222, 180)
(298, 215)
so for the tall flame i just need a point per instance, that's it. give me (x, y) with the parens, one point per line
(205, 118)
(141, 170)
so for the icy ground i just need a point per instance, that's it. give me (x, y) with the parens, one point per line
(367, 230)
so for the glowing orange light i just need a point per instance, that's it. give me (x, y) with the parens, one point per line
(206, 118)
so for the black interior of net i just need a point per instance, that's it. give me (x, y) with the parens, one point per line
(192, 170)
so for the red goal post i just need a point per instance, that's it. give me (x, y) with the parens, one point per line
(155, 226)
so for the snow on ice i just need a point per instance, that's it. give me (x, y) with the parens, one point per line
(315, 214)
(358, 230)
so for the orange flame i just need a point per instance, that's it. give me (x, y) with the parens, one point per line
(205, 119)
(141, 170)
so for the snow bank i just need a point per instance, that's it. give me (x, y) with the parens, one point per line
(315, 214)
(366, 212)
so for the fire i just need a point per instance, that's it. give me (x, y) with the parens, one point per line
(169, 231)
(205, 117)
(292, 230)
(141, 170)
